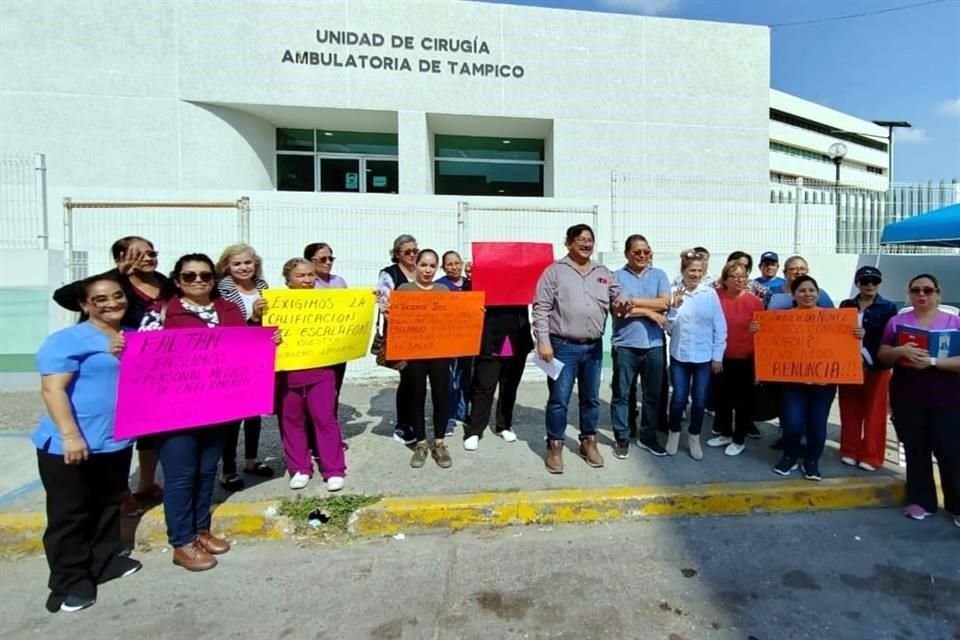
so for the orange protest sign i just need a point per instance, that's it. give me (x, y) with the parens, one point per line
(429, 324)
(808, 345)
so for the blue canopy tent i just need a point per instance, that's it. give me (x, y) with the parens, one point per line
(937, 228)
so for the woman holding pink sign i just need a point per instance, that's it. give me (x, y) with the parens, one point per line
(925, 398)
(308, 400)
(82, 465)
(189, 457)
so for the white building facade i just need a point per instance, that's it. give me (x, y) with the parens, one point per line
(353, 122)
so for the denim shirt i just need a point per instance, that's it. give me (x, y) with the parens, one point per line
(875, 318)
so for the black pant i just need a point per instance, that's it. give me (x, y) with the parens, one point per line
(340, 370)
(733, 396)
(251, 443)
(488, 372)
(412, 394)
(83, 518)
(924, 431)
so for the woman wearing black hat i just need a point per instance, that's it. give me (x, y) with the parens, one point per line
(863, 408)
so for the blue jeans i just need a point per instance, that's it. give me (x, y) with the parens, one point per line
(461, 376)
(189, 460)
(804, 410)
(628, 363)
(689, 380)
(581, 363)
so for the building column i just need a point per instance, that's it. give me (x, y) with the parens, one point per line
(415, 155)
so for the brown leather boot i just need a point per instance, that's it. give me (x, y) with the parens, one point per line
(211, 543)
(589, 452)
(554, 461)
(193, 557)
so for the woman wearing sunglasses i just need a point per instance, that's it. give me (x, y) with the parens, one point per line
(82, 465)
(863, 407)
(240, 280)
(136, 261)
(190, 456)
(403, 257)
(925, 400)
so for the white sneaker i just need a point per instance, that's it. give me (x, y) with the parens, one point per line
(508, 435)
(734, 449)
(334, 483)
(299, 480)
(866, 466)
(471, 443)
(719, 441)
(848, 461)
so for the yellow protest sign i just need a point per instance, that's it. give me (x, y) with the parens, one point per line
(320, 327)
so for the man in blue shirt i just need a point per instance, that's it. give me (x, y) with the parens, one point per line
(769, 265)
(782, 298)
(638, 349)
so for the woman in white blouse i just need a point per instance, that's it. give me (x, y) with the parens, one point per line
(698, 339)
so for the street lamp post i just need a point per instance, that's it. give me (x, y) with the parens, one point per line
(837, 152)
(891, 125)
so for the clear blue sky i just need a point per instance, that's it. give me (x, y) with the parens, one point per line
(902, 65)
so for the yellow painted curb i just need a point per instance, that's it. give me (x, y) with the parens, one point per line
(23, 532)
(452, 513)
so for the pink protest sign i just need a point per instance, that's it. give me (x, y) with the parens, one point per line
(181, 378)
(508, 271)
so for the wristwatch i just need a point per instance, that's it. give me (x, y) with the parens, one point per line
(933, 362)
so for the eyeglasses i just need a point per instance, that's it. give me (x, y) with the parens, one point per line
(923, 290)
(695, 254)
(103, 301)
(740, 277)
(588, 242)
(641, 252)
(192, 276)
(795, 270)
(410, 252)
(324, 259)
(869, 281)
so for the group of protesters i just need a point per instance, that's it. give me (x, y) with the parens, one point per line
(708, 362)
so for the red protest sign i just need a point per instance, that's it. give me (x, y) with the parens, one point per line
(508, 271)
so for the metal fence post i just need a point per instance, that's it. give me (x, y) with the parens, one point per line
(67, 241)
(40, 169)
(596, 224)
(462, 209)
(613, 211)
(797, 205)
(243, 212)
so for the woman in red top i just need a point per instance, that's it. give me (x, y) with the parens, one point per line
(733, 387)
(189, 457)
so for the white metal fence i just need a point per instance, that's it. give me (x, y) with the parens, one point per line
(728, 215)
(23, 202)
(175, 228)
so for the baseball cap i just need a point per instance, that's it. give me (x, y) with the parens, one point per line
(867, 272)
(769, 256)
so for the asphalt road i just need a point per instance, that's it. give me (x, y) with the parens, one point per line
(866, 574)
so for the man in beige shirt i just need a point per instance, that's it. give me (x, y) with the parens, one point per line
(570, 310)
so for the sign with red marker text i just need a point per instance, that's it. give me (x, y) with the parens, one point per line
(320, 327)
(180, 378)
(508, 271)
(808, 345)
(428, 324)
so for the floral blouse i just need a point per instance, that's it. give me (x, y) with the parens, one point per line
(152, 322)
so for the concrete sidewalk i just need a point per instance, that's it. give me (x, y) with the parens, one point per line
(378, 465)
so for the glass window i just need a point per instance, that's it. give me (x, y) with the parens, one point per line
(340, 174)
(356, 142)
(295, 140)
(489, 178)
(489, 148)
(295, 172)
(471, 165)
(381, 176)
